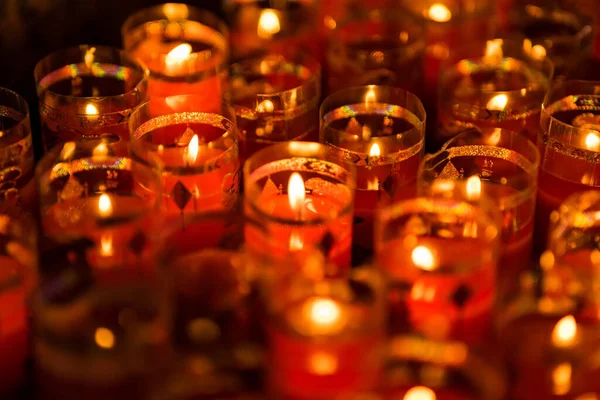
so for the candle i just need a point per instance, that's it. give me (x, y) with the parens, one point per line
(502, 86)
(301, 198)
(276, 100)
(289, 28)
(502, 166)
(569, 133)
(440, 257)
(97, 209)
(562, 33)
(16, 151)
(381, 131)
(17, 277)
(88, 92)
(185, 49)
(325, 341)
(375, 46)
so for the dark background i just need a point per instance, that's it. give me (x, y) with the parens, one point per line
(32, 29)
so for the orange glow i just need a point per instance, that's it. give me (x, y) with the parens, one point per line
(473, 188)
(296, 192)
(420, 393)
(592, 141)
(106, 246)
(497, 103)
(423, 258)
(177, 55)
(370, 97)
(192, 150)
(322, 363)
(104, 338)
(296, 241)
(101, 150)
(91, 109)
(538, 52)
(89, 57)
(268, 24)
(265, 106)
(561, 379)
(375, 150)
(324, 316)
(493, 51)
(565, 332)
(439, 13)
(105, 205)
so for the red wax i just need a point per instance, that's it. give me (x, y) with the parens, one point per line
(456, 301)
(14, 330)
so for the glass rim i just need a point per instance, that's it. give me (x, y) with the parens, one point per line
(465, 54)
(24, 115)
(549, 100)
(290, 150)
(310, 64)
(226, 112)
(137, 92)
(528, 163)
(359, 92)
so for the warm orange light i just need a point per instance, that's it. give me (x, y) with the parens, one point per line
(473, 188)
(495, 137)
(101, 150)
(268, 24)
(592, 141)
(420, 393)
(91, 109)
(296, 192)
(538, 52)
(322, 363)
(366, 132)
(497, 103)
(104, 338)
(105, 206)
(370, 97)
(265, 106)
(296, 241)
(89, 57)
(191, 153)
(493, 51)
(106, 245)
(323, 315)
(375, 150)
(423, 258)
(177, 55)
(565, 332)
(439, 13)
(561, 379)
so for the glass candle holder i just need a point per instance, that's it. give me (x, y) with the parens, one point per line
(98, 211)
(16, 150)
(88, 92)
(381, 131)
(570, 135)
(197, 152)
(334, 328)
(563, 34)
(440, 259)
(378, 46)
(185, 48)
(260, 27)
(497, 84)
(276, 99)
(300, 195)
(18, 245)
(109, 341)
(502, 166)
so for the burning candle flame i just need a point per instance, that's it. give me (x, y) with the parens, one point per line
(370, 97)
(592, 141)
(420, 393)
(265, 106)
(106, 245)
(105, 205)
(538, 52)
(497, 103)
(473, 188)
(91, 109)
(375, 150)
(101, 150)
(268, 24)
(439, 13)
(177, 55)
(296, 192)
(423, 258)
(324, 315)
(493, 51)
(89, 57)
(192, 150)
(565, 332)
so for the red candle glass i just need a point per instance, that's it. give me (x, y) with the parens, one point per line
(276, 99)
(499, 165)
(16, 151)
(497, 84)
(289, 27)
(381, 131)
(378, 46)
(325, 335)
(301, 197)
(17, 279)
(440, 257)
(97, 209)
(197, 152)
(570, 136)
(565, 35)
(88, 92)
(185, 49)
